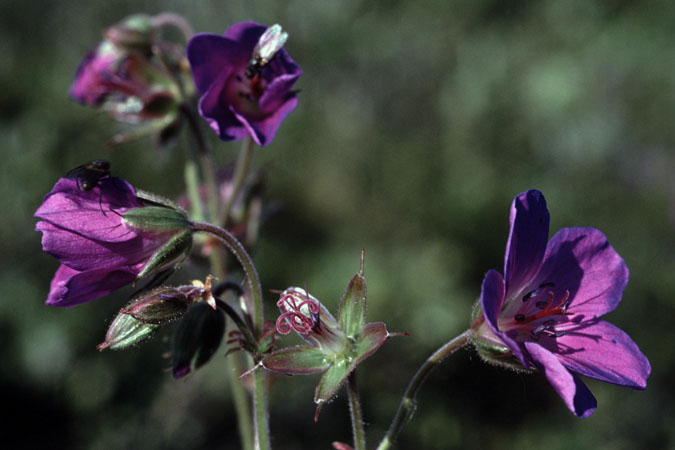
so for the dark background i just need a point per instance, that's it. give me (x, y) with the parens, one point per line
(418, 122)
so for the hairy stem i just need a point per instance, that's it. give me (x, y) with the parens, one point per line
(408, 403)
(247, 265)
(356, 413)
(262, 428)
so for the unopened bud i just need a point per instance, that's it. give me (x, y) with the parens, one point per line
(197, 337)
(125, 331)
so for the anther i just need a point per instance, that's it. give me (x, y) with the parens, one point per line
(520, 317)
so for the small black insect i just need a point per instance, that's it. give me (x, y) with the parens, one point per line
(88, 175)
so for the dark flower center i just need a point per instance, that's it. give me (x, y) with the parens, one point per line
(539, 313)
(244, 94)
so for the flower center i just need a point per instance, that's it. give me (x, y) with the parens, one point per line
(298, 314)
(538, 315)
(244, 93)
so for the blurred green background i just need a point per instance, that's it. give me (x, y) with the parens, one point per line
(417, 124)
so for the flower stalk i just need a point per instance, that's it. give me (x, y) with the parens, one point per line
(240, 172)
(356, 413)
(407, 405)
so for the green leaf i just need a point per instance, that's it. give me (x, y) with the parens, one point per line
(352, 314)
(301, 360)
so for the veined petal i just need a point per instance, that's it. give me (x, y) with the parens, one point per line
(602, 351)
(571, 389)
(70, 287)
(526, 245)
(581, 261)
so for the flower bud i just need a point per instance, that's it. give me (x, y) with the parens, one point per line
(125, 331)
(196, 338)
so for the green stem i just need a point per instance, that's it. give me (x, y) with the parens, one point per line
(247, 265)
(356, 413)
(261, 418)
(408, 403)
(239, 397)
(208, 171)
(192, 186)
(238, 178)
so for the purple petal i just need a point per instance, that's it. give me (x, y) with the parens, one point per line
(571, 389)
(604, 352)
(492, 300)
(527, 240)
(246, 34)
(219, 115)
(70, 287)
(263, 132)
(581, 261)
(210, 55)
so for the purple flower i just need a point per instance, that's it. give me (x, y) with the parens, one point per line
(234, 103)
(545, 310)
(98, 249)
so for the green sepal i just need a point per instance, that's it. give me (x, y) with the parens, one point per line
(371, 338)
(176, 249)
(125, 331)
(352, 313)
(301, 360)
(497, 355)
(196, 338)
(156, 219)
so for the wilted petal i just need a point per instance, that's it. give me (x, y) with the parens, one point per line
(602, 351)
(571, 389)
(527, 240)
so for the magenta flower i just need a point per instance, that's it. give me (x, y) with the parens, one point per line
(546, 309)
(127, 85)
(98, 249)
(235, 102)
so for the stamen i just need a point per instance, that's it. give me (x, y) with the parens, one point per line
(520, 317)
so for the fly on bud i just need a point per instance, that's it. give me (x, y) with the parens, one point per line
(271, 41)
